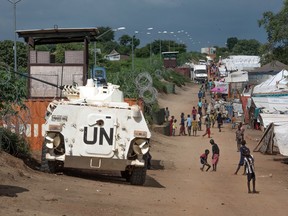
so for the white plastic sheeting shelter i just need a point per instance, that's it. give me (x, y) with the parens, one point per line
(273, 118)
(279, 131)
(281, 137)
(237, 77)
(276, 84)
(241, 62)
(271, 104)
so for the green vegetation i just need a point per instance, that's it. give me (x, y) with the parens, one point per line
(13, 143)
(15, 90)
(276, 26)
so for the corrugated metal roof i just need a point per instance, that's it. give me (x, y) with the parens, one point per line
(274, 66)
(57, 35)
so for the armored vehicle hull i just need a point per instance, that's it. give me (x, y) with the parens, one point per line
(97, 130)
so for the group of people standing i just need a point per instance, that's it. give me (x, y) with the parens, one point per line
(193, 121)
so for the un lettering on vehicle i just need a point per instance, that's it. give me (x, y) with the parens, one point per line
(98, 141)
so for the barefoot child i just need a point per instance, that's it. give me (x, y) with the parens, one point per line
(203, 160)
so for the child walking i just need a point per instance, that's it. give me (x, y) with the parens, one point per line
(203, 160)
(174, 127)
(250, 171)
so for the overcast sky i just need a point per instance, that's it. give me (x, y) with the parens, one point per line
(200, 23)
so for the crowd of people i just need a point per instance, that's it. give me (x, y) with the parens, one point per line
(207, 113)
(203, 112)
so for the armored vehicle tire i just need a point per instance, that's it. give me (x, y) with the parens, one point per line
(126, 175)
(49, 166)
(138, 176)
(44, 162)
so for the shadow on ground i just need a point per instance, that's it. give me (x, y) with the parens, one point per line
(11, 191)
(111, 177)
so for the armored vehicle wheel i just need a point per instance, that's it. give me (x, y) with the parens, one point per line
(138, 176)
(44, 162)
(49, 166)
(126, 175)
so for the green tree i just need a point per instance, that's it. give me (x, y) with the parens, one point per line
(231, 42)
(222, 51)
(7, 54)
(246, 47)
(60, 50)
(143, 52)
(105, 34)
(13, 91)
(125, 40)
(276, 26)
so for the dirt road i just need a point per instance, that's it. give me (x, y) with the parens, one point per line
(178, 189)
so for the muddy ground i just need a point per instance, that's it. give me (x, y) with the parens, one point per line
(174, 186)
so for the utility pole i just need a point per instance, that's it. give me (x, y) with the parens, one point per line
(14, 2)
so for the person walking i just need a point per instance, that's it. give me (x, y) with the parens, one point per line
(239, 137)
(194, 127)
(250, 171)
(182, 125)
(200, 104)
(199, 120)
(189, 124)
(200, 94)
(205, 106)
(171, 125)
(243, 149)
(194, 112)
(215, 155)
(208, 126)
(174, 127)
(167, 114)
(212, 117)
(219, 121)
(242, 129)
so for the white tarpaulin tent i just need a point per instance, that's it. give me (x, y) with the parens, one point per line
(276, 84)
(277, 134)
(267, 119)
(237, 77)
(271, 104)
(241, 62)
(281, 137)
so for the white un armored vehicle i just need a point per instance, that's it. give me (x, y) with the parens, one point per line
(95, 129)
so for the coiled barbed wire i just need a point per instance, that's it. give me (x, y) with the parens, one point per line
(143, 81)
(147, 92)
(158, 73)
(5, 74)
(149, 95)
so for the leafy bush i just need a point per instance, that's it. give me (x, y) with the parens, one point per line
(13, 143)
